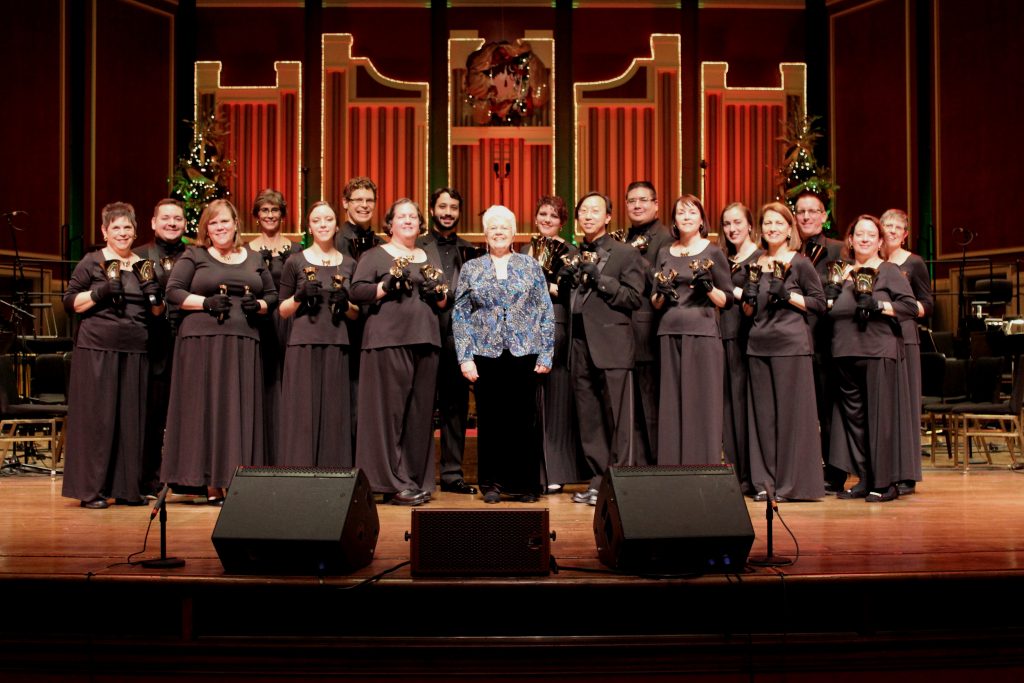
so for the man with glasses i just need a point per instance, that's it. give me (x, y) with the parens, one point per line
(810, 215)
(648, 234)
(356, 236)
(603, 291)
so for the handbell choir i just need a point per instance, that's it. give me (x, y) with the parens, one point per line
(791, 357)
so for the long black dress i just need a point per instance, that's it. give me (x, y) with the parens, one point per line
(316, 419)
(735, 327)
(872, 424)
(398, 375)
(692, 364)
(785, 450)
(214, 422)
(107, 394)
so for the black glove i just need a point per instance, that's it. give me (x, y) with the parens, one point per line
(591, 271)
(111, 290)
(337, 301)
(151, 289)
(832, 291)
(430, 290)
(667, 290)
(391, 283)
(217, 305)
(567, 277)
(308, 291)
(866, 305)
(750, 290)
(267, 255)
(777, 293)
(702, 280)
(250, 304)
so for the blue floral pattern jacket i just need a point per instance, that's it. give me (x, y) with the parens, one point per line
(491, 315)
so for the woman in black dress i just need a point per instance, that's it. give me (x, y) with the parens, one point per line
(271, 211)
(738, 237)
(555, 390)
(504, 336)
(398, 367)
(107, 393)
(214, 421)
(895, 226)
(692, 358)
(785, 451)
(316, 419)
(871, 421)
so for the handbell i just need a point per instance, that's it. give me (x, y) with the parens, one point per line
(835, 271)
(618, 235)
(112, 269)
(144, 270)
(641, 242)
(665, 278)
(223, 289)
(167, 263)
(434, 275)
(780, 269)
(864, 280)
(310, 273)
(754, 272)
(337, 281)
(397, 271)
(698, 264)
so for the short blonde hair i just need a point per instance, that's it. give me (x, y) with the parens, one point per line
(211, 210)
(496, 213)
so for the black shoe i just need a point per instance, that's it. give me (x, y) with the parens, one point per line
(883, 496)
(850, 494)
(832, 487)
(552, 489)
(95, 504)
(458, 486)
(588, 497)
(492, 496)
(761, 497)
(410, 497)
(906, 487)
(216, 501)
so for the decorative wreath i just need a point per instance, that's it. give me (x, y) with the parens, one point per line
(505, 83)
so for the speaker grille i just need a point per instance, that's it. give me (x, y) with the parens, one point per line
(480, 542)
(332, 472)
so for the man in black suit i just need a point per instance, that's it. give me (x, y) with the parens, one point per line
(168, 225)
(356, 235)
(821, 250)
(452, 388)
(603, 296)
(648, 234)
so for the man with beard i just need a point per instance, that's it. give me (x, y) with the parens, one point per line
(648, 234)
(168, 225)
(356, 235)
(821, 250)
(452, 388)
(604, 293)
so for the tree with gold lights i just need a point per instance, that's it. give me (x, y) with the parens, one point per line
(201, 175)
(800, 170)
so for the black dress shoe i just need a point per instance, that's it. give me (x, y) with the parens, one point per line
(95, 504)
(588, 497)
(883, 496)
(217, 501)
(492, 496)
(410, 497)
(761, 497)
(552, 489)
(458, 486)
(850, 494)
(906, 487)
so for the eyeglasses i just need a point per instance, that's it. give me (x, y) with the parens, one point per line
(809, 212)
(361, 200)
(643, 201)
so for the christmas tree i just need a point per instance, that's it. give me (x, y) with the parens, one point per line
(201, 175)
(800, 170)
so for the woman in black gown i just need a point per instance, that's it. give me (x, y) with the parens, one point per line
(107, 393)
(555, 401)
(785, 450)
(316, 419)
(871, 424)
(738, 237)
(271, 211)
(398, 367)
(895, 227)
(692, 358)
(214, 421)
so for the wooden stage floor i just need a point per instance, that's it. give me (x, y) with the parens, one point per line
(923, 587)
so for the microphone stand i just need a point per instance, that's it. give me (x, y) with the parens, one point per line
(770, 559)
(163, 562)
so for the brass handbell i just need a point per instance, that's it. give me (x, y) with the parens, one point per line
(548, 251)
(112, 269)
(666, 278)
(223, 289)
(864, 280)
(310, 273)
(145, 271)
(398, 271)
(834, 274)
(619, 235)
(641, 242)
(167, 263)
(779, 269)
(434, 275)
(754, 272)
(698, 264)
(337, 281)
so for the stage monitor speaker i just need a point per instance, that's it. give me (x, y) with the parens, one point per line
(672, 520)
(297, 521)
(480, 542)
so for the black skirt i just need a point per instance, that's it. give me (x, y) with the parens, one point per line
(316, 420)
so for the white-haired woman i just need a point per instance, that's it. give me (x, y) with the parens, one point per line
(504, 335)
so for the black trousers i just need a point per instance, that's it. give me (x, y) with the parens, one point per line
(509, 444)
(453, 407)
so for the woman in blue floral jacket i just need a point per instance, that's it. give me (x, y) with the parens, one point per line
(504, 334)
